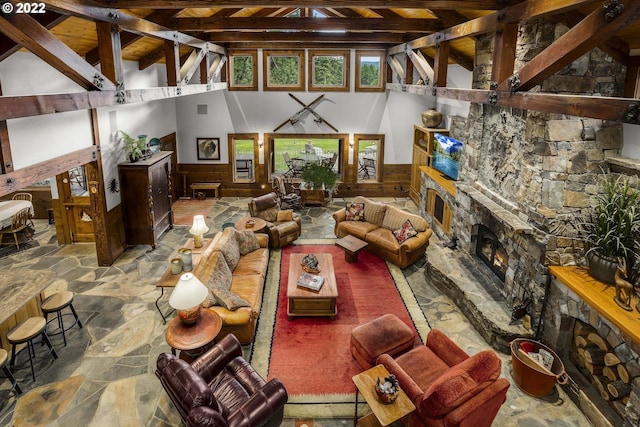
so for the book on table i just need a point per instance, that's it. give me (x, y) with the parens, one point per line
(311, 281)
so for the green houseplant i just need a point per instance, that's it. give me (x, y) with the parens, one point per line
(318, 180)
(135, 148)
(611, 229)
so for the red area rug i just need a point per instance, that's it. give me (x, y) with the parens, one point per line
(185, 209)
(310, 355)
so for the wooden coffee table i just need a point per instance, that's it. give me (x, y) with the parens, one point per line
(383, 414)
(193, 339)
(305, 302)
(351, 245)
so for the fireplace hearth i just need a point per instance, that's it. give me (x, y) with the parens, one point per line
(491, 252)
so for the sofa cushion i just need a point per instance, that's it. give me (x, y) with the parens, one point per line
(395, 217)
(229, 248)
(405, 232)
(373, 211)
(247, 241)
(354, 211)
(249, 288)
(383, 239)
(358, 229)
(255, 262)
(220, 279)
(415, 363)
(284, 215)
(229, 300)
(461, 382)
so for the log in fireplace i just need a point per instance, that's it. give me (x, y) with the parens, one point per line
(491, 252)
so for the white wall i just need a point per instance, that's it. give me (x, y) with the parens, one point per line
(460, 78)
(631, 141)
(37, 139)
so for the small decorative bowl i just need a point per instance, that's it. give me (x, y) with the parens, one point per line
(250, 223)
(387, 389)
(310, 270)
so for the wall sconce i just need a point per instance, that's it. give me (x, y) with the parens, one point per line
(260, 143)
(351, 144)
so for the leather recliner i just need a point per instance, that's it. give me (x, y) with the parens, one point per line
(447, 386)
(220, 388)
(282, 232)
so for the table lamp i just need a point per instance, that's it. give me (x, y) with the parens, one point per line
(198, 228)
(187, 296)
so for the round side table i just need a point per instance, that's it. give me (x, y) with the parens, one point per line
(258, 224)
(193, 340)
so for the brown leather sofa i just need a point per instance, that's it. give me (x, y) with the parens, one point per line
(377, 226)
(247, 282)
(220, 388)
(281, 232)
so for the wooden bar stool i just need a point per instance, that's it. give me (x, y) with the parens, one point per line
(55, 303)
(25, 332)
(3, 362)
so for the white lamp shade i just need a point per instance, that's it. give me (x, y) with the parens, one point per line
(199, 226)
(188, 293)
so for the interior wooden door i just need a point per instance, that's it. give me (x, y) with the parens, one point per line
(78, 213)
(168, 143)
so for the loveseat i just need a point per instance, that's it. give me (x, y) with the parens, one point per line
(233, 268)
(396, 235)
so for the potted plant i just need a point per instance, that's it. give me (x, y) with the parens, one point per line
(318, 180)
(135, 148)
(611, 229)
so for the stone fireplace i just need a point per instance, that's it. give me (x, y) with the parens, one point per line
(491, 252)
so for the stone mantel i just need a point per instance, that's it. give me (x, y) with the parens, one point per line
(600, 297)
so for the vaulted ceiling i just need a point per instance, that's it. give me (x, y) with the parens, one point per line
(295, 24)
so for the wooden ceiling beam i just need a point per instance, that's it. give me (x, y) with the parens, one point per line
(110, 52)
(161, 17)
(127, 22)
(521, 12)
(383, 4)
(301, 24)
(6, 158)
(305, 37)
(29, 33)
(48, 20)
(588, 34)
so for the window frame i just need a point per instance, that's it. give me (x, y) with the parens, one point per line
(232, 156)
(345, 87)
(381, 75)
(379, 156)
(267, 54)
(241, 52)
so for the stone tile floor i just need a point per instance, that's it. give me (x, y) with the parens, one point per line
(104, 376)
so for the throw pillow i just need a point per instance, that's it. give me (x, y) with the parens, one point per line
(229, 300)
(220, 280)
(405, 232)
(247, 242)
(231, 251)
(285, 215)
(355, 211)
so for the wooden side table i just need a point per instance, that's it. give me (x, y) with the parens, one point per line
(351, 245)
(383, 414)
(170, 280)
(258, 224)
(194, 339)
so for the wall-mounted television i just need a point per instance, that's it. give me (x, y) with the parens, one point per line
(446, 155)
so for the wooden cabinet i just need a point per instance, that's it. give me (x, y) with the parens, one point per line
(145, 187)
(423, 140)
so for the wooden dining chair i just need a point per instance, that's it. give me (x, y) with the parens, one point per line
(28, 197)
(18, 223)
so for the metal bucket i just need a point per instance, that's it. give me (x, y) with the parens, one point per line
(530, 377)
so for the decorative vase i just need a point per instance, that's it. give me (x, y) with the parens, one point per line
(431, 118)
(602, 268)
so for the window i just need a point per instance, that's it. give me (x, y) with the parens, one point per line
(290, 153)
(243, 156)
(284, 70)
(329, 70)
(370, 71)
(243, 73)
(369, 156)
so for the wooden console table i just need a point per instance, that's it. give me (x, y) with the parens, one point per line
(215, 186)
(599, 296)
(170, 280)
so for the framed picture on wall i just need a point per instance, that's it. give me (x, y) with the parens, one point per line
(208, 148)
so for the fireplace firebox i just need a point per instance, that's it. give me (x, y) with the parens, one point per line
(491, 252)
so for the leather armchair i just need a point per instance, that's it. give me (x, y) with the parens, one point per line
(220, 388)
(447, 386)
(282, 232)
